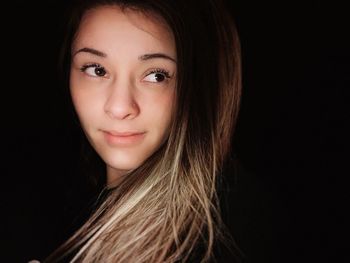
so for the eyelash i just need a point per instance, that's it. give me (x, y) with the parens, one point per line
(157, 70)
(85, 67)
(162, 71)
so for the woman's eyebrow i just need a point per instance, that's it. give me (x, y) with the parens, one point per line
(156, 55)
(91, 51)
(142, 57)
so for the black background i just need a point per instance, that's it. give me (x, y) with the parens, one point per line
(291, 132)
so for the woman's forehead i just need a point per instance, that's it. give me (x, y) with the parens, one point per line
(104, 21)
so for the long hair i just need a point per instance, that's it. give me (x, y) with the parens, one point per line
(168, 206)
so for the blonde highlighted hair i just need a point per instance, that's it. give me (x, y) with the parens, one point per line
(168, 207)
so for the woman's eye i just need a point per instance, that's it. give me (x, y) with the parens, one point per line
(94, 70)
(157, 76)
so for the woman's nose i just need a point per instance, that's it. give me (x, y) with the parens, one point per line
(121, 103)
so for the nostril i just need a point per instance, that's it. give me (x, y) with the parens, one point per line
(126, 110)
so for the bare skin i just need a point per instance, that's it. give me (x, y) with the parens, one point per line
(122, 85)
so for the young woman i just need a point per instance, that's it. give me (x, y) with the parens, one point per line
(155, 85)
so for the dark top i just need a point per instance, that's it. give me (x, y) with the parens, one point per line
(246, 204)
(246, 210)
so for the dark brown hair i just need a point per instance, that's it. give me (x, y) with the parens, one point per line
(169, 204)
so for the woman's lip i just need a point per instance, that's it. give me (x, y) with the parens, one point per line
(123, 134)
(123, 138)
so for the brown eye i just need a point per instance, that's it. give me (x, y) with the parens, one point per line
(157, 76)
(94, 70)
(100, 72)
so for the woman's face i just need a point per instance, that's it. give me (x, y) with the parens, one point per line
(122, 83)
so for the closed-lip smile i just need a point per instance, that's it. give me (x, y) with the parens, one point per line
(125, 138)
(124, 134)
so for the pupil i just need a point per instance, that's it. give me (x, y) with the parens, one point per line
(99, 71)
(159, 77)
